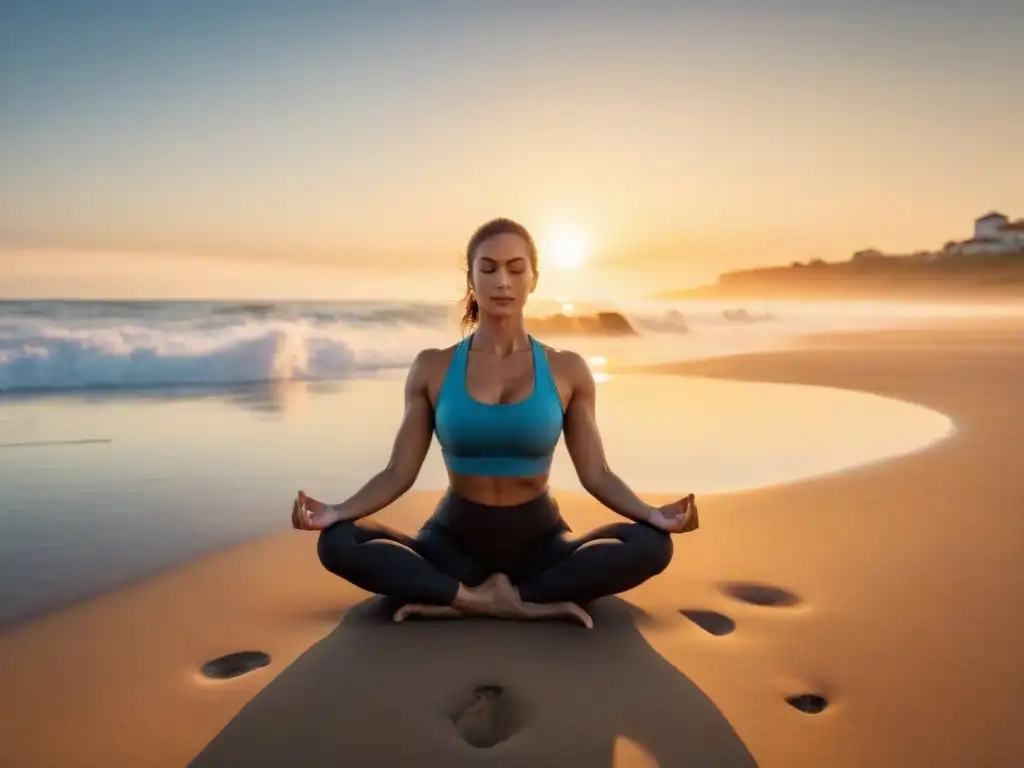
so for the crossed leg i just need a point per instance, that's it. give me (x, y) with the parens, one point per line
(428, 573)
(606, 561)
(427, 569)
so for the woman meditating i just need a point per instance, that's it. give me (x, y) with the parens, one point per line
(498, 402)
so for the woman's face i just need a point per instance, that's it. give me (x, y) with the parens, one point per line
(502, 275)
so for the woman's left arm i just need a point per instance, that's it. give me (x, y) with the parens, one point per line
(583, 440)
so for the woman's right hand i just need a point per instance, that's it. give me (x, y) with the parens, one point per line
(309, 514)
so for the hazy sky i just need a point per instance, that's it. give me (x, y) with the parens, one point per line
(680, 138)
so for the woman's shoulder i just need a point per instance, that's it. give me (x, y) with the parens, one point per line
(565, 362)
(431, 357)
(560, 353)
(432, 362)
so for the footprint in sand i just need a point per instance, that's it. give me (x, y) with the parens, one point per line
(490, 718)
(808, 703)
(764, 595)
(760, 594)
(717, 624)
(235, 664)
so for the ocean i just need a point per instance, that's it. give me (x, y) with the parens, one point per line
(55, 346)
(137, 435)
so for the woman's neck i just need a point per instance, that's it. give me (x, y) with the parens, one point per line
(501, 336)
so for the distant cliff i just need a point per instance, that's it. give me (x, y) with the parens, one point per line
(965, 277)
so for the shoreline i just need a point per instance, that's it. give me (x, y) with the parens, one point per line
(865, 572)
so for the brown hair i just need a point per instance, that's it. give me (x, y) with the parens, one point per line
(486, 231)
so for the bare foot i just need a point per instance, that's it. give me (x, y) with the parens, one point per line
(507, 604)
(497, 597)
(427, 612)
(477, 601)
(469, 601)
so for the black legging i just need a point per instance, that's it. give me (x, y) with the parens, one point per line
(465, 542)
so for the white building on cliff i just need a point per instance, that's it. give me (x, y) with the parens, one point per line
(993, 233)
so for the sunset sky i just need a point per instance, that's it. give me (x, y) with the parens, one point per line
(201, 148)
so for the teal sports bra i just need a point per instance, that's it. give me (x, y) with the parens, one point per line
(505, 440)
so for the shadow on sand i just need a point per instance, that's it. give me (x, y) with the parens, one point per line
(375, 693)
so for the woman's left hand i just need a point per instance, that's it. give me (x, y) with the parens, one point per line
(678, 517)
(309, 514)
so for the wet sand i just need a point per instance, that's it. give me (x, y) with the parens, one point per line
(885, 593)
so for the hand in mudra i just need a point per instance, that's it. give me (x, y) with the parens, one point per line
(309, 514)
(678, 517)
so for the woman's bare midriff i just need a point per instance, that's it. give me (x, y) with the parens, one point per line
(498, 491)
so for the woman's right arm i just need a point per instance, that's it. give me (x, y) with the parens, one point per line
(408, 451)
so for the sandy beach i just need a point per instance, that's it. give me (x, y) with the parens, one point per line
(887, 591)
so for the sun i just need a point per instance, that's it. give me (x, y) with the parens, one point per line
(566, 248)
